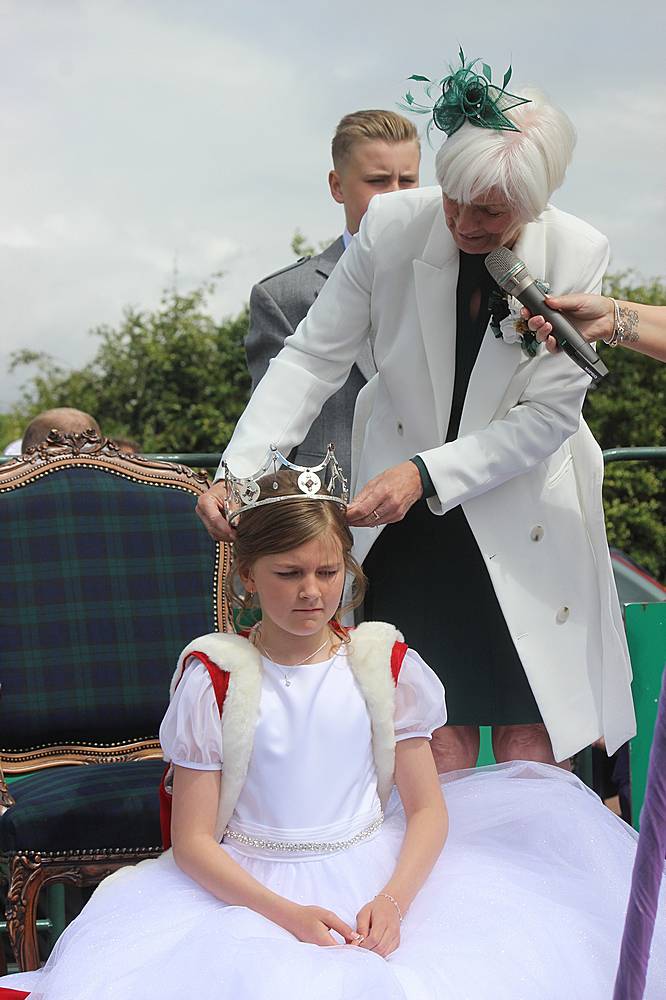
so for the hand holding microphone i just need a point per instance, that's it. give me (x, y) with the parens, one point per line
(511, 274)
(593, 315)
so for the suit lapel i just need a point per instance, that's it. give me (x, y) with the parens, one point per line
(497, 360)
(324, 264)
(435, 282)
(531, 248)
(493, 370)
(329, 257)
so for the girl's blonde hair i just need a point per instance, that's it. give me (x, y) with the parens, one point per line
(279, 527)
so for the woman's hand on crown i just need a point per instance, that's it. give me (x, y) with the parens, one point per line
(210, 509)
(387, 497)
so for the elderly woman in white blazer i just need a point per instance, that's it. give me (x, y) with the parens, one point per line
(465, 425)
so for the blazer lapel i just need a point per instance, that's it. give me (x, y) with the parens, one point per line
(497, 361)
(531, 248)
(435, 282)
(323, 265)
(495, 364)
(329, 257)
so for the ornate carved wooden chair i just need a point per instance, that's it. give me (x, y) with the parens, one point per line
(105, 574)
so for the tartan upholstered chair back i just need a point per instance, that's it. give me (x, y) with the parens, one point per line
(105, 574)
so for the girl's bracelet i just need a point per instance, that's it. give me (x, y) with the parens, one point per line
(387, 895)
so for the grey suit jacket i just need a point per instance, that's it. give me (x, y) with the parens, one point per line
(277, 306)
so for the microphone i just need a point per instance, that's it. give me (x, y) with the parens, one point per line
(512, 276)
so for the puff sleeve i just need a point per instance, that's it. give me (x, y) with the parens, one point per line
(420, 704)
(191, 730)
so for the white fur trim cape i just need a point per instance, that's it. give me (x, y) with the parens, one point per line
(369, 654)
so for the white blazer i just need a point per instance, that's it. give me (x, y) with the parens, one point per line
(525, 467)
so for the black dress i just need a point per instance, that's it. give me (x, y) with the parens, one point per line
(427, 576)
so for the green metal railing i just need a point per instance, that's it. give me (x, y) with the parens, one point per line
(196, 459)
(211, 459)
(634, 455)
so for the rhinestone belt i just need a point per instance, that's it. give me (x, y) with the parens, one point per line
(309, 846)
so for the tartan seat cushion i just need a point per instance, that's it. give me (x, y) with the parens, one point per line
(103, 580)
(93, 807)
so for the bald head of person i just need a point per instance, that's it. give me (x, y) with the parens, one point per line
(63, 419)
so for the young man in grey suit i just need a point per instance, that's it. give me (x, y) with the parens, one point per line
(373, 152)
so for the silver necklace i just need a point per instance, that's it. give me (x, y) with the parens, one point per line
(287, 679)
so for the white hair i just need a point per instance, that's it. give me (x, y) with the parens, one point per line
(524, 168)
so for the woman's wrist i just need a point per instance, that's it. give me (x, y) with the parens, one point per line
(612, 336)
(427, 484)
(625, 320)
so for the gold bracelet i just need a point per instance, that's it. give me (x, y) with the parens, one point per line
(387, 895)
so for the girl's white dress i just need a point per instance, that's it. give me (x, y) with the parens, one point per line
(526, 901)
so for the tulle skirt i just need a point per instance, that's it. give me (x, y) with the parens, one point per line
(526, 902)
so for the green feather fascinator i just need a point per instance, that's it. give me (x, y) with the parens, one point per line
(466, 96)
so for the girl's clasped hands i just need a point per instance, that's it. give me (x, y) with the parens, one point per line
(377, 923)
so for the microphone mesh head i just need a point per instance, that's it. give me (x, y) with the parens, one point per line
(501, 262)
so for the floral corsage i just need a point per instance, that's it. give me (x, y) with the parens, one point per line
(507, 323)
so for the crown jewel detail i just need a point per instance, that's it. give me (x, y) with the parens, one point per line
(325, 481)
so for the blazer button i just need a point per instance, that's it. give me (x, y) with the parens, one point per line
(562, 615)
(536, 534)
(401, 429)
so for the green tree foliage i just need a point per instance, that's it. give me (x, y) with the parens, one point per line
(627, 410)
(301, 247)
(10, 429)
(172, 379)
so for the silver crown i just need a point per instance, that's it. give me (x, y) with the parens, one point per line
(317, 482)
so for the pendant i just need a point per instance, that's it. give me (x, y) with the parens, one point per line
(287, 682)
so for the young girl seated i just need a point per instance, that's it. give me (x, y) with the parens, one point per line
(295, 871)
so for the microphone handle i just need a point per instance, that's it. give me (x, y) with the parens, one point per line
(566, 335)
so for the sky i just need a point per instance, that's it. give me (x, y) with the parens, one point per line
(146, 137)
